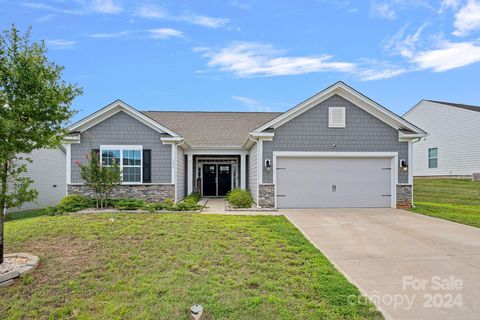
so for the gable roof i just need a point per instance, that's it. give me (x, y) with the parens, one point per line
(357, 98)
(112, 109)
(212, 129)
(458, 105)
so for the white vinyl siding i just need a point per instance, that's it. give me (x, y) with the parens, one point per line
(252, 172)
(48, 172)
(180, 174)
(454, 131)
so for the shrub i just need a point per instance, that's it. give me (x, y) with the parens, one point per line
(240, 198)
(186, 206)
(129, 204)
(73, 203)
(192, 198)
(168, 204)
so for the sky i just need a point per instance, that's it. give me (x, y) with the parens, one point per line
(233, 55)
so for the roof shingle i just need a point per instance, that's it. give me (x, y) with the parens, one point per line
(212, 129)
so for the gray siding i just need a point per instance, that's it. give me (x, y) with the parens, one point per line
(180, 174)
(121, 129)
(48, 172)
(252, 172)
(310, 132)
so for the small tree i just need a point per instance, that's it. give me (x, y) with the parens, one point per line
(101, 179)
(35, 106)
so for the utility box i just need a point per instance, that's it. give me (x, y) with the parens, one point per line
(476, 176)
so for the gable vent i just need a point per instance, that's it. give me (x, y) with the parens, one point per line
(336, 117)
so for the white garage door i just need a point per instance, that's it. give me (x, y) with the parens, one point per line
(333, 182)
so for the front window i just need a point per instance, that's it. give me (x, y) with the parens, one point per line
(433, 157)
(128, 157)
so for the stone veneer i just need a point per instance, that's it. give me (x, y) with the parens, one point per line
(266, 195)
(149, 192)
(404, 196)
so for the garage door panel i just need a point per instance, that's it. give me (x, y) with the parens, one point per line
(333, 182)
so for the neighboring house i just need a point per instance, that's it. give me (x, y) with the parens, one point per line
(452, 147)
(47, 171)
(335, 149)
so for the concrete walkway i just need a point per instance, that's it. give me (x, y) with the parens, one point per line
(217, 206)
(411, 266)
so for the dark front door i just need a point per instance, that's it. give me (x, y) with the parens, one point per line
(209, 180)
(224, 179)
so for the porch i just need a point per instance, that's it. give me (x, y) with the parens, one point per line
(213, 174)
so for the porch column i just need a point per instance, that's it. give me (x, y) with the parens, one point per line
(243, 171)
(189, 174)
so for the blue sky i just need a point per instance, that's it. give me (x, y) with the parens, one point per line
(257, 55)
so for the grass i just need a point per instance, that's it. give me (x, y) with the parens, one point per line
(456, 200)
(155, 266)
(25, 214)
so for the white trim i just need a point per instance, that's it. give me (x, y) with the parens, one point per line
(189, 173)
(112, 109)
(169, 140)
(308, 154)
(331, 123)
(259, 167)
(410, 163)
(72, 138)
(122, 148)
(243, 171)
(350, 94)
(174, 170)
(227, 151)
(68, 164)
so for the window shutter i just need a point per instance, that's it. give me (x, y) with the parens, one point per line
(147, 166)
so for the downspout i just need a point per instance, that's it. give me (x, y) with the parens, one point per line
(176, 167)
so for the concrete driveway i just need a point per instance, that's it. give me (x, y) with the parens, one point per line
(411, 266)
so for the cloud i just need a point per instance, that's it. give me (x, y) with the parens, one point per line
(120, 34)
(247, 59)
(155, 12)
(448, 56)
(382, 10)
(402, 43)
(42, 6)
(105, 6)
(94, 6)
(252, 104)
(165, 33)
(60, 44)
(159, 33)
(205, 21)
(150, 11)
(467, 19)
(46, 18)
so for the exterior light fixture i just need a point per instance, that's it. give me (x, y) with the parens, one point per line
(268, 165)
(404, 164)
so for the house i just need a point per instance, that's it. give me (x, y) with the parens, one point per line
(47, 170)
(452, 147)
(338, 148)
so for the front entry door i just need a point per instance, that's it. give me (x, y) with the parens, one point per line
(224, 179)
(209, 180)
(217, 179)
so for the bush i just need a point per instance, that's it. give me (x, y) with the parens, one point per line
(192, 198)
(240, 198)
(128, 204)
(73, 203)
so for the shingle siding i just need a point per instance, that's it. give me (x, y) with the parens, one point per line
(310, 132)
(180, 174)
(121, 129)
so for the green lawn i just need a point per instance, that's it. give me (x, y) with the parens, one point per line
(25, 214)
(155, 266)
(450, 199)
